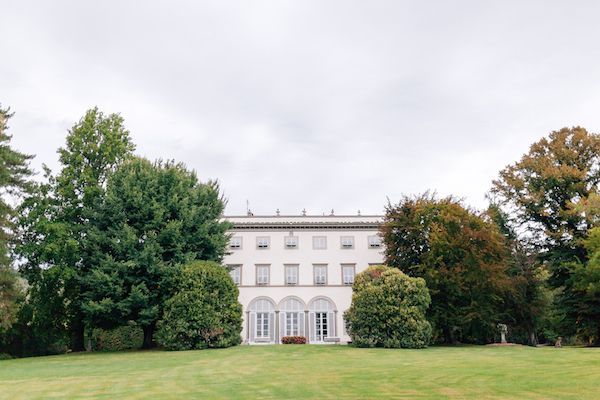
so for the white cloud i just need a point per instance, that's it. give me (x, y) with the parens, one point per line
(310, 104)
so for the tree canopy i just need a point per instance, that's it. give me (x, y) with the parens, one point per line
(155, 218)
(59, 219)
(461, 255)
(545, 190)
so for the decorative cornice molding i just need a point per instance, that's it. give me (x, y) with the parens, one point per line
(365, 222)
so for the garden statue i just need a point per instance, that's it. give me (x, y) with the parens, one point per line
(558, 342)
(503, 331)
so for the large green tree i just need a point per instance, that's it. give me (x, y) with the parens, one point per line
(461, 255)
(155, 218)
(14, 181)
(59, 220)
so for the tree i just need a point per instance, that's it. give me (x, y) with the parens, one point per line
(583, 291)
(14, 181)
(59, 220)
(11, 298)
(156, 217)
(204, 312)
(543, 191)
(526, 301)
(552, 192)
(388, 310)
(461, 255)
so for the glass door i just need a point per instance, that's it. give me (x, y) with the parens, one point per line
(321, 326)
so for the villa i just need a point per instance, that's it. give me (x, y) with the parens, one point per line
(295, 273)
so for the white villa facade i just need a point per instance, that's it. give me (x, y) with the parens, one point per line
(295, 273)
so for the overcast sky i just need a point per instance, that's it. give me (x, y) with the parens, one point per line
(308, 104)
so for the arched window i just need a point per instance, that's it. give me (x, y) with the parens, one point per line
(291, 312)
(322, 318)
(262, 320)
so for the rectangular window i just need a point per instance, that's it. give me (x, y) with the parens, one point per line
(235, 242)
(348, 272)
(291, 274)
(291, 242)
(263, 242)
(320, 274)
(262, 275)
(347, 242)
(374, 242)
(262, 325)
(235, 271)
(319, 242)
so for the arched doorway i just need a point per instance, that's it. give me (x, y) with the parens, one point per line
(261, 326)
(291, 314)
(322, 320)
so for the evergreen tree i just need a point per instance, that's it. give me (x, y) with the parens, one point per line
(14, 181)
(156, 217)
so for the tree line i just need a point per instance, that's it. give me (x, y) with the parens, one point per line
(530, 260)
(103, 241)
(111, 239)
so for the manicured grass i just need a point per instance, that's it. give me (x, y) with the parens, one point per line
(306, 372)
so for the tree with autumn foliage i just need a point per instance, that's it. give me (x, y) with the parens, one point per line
(545, 191)
(552, 196)
(462, 256)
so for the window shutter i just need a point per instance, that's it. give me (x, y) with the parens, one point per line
(252, 326)
(330, 324)
(312, 328)
(271, 327)
(301, 323)
(281, 324)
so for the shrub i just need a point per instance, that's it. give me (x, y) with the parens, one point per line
(5, 356)
(388, 310)
(293, 340)
(126, 337)
(204, 313)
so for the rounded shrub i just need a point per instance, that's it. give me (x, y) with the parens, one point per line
(205, 311)
(388, 310)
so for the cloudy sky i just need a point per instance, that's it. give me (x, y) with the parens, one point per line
(308, 104)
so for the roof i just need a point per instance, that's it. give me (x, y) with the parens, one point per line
(286, 222)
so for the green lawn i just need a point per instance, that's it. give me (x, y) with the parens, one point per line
(324, 372)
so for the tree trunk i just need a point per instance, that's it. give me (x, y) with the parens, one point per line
(448, 336)
(596, 342)
(77, 331)
(149, 336)
(532, 338)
